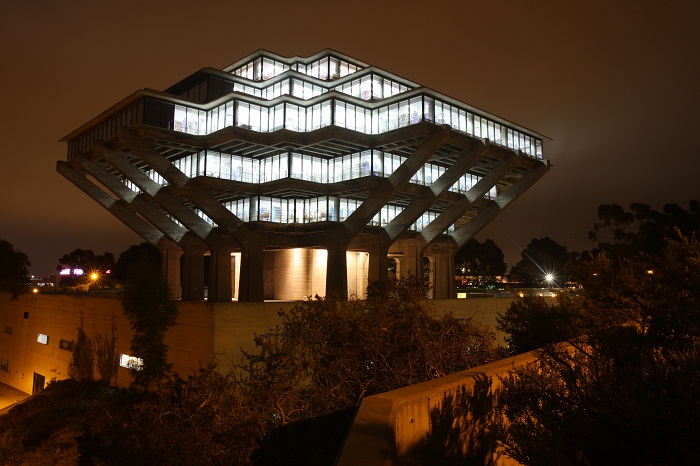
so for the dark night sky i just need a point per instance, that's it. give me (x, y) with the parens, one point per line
(613, 84)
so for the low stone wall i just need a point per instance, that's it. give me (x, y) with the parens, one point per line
(443, 421)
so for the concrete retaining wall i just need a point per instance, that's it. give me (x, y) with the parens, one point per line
(204, 331)
(442, 421)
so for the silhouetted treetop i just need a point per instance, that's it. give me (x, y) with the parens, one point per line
(14, 269)
(623, 233)
(541, 257)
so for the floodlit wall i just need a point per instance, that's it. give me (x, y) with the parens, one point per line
(297, 273)
(58, 316)
(204, 330)
(358, 269)
(293, 274)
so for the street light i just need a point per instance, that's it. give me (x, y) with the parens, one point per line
(549, 278)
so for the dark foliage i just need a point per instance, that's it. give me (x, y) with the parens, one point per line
(541, 257)
(87, 261)
(482, 261)
(328, 354)
(623, 387)
(14, 270)
(530, 323)
(310, 442)
(622, 234)
(150, 311)
(201, 420)
(136, 254)
(82, 362)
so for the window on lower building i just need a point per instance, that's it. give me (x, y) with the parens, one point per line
(131, 362)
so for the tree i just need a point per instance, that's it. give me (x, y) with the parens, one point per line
(530, 323)
(328, 353)
(106, 357)
(137, 253)
(623, 387)
(14, 270)
(622, 233)
(200, 420)
(540, 258)
(147, 306)
(82, 362)
(85, 260)
(482, 261)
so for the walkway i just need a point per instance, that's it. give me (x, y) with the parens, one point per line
(10, 396)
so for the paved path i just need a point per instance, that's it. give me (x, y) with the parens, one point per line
(9, 396)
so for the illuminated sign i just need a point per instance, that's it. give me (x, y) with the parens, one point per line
(43, 339)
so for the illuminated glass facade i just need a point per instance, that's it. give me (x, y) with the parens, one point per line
(302, 151)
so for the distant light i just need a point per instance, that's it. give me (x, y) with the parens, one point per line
(650, 272)
(549, 277)
(35, 290)
(94, 276)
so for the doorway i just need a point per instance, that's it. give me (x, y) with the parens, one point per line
(39, 382)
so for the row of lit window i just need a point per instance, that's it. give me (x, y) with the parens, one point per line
(313, 210)
(299, 118)
(264, 68)
(308, 168)
(370, 86)
(346, 115)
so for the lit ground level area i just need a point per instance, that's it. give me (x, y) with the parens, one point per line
(297, 273)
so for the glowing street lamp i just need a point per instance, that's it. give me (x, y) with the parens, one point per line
(94, 276)
(549, 278)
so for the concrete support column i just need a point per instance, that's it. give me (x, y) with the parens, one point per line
(193, 273)
(220, 272)
(409, 254)
(442, 269)
(378, 269)
(250, 284)
(444, 276)
(337, 270)
(170, 254)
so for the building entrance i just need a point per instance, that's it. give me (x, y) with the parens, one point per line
(39, 382)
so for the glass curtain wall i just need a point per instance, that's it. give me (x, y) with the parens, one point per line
(308, 168)
(258, 117)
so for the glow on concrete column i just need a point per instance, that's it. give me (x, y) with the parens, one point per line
(220, 272)
(250, 285)
(193, 273)
(170, 254)
(337, 271)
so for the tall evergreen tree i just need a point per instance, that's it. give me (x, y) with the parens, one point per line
(149, 310)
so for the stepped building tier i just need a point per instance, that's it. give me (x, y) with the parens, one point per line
(289, 177)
